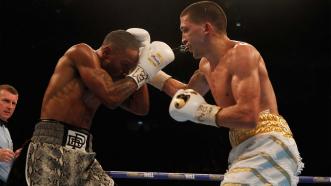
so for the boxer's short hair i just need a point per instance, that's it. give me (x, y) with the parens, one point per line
(121, 40)
(207, 11)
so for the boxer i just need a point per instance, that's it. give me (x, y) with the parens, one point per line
(60, 150)
(264, 151)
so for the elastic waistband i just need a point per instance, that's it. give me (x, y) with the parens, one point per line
(60, 133)
(267, 123)
(65, 124)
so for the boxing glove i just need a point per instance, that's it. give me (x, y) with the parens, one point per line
(141, 35)
(153, 58)
(190, 105)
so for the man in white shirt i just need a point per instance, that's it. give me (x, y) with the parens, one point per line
(8, 101)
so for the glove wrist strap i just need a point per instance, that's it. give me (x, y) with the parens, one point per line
(206, 114)
(159, 80)
(140, 76)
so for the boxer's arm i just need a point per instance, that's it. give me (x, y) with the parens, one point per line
(245, 86)
(18, 152)
(110, 93)
(198, 83)
(138, 102)
(171, 86)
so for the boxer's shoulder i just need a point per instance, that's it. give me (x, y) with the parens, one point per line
(204, 65)
(79, 49)
(81, 52)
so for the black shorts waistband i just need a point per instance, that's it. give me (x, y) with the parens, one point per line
(65, 125)
(60, 133)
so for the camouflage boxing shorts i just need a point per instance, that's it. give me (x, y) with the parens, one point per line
(58, 155)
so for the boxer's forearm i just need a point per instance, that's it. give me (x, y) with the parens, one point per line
(111, 93)
(138, 102)
(198, 83)
(119, 91)
(171, 86)
(237, 116)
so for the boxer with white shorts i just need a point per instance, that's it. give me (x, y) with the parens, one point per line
(264, 151)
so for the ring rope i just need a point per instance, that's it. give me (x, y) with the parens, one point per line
(195, 176)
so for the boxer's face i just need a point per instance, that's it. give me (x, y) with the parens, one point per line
(192, 36)
(8, 103)
(122, 63)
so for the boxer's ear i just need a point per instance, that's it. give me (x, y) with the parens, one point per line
(107, 50)
(207, 27)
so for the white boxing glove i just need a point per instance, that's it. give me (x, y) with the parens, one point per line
(190, 105)
(141, 35)
(153, 58)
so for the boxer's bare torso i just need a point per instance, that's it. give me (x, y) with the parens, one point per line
(239, 80)
(239, 83)
(224, 78)
(67, 99)
(71, 93)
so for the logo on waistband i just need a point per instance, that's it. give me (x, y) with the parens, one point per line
(76, 140)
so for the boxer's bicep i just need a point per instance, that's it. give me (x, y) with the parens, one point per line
(246, 89)
(245, 85)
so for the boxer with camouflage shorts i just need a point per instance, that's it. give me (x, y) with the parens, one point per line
(60, 151)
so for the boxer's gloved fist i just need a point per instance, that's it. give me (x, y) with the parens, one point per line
(152, 59)
(141, 35)
(190, 105)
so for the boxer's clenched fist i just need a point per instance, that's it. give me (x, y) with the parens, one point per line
(190, 105)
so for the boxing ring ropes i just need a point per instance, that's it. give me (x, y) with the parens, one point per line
(195, 176)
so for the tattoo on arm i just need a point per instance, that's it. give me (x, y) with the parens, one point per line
(119, 90)
(123, 88)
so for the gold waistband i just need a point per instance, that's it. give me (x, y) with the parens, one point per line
(267, 123)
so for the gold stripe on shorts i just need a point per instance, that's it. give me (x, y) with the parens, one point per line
(235, 184)
(278, 167)
(285, 148)
(270, 160)
(251, 170)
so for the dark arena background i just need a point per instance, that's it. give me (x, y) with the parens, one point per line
(293, 37)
